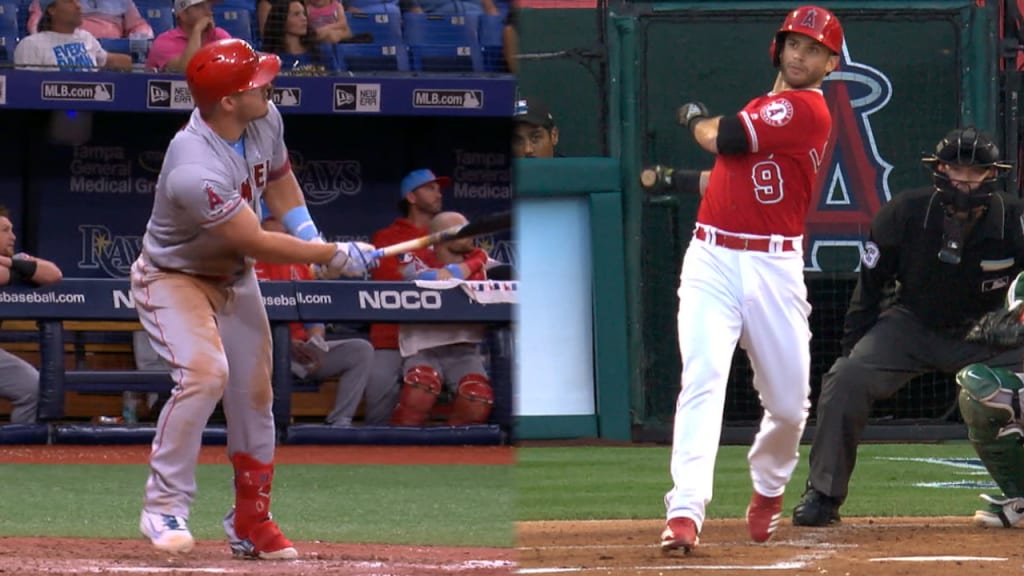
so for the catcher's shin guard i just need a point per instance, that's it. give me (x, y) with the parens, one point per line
(990, 405)
(420, 389)
(252, 531)
(474, 401)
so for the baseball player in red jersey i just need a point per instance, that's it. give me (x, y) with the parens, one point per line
(742, 278)
(419, 200)
(199, 301)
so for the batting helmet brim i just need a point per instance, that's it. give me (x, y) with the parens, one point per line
(267, 69)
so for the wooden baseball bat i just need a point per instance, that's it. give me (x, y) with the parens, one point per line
(494, 223)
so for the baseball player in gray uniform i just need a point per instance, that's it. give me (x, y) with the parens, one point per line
(198, 298)
(19, 380)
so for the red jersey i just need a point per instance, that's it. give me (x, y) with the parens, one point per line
(768, 189)
(266, 271)
(385, 336)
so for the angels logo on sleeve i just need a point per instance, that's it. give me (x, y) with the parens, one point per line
(217, 207)
(777, 112)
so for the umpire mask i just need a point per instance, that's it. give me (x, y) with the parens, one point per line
(963, 147)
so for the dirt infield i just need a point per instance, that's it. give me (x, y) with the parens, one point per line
(878, 547)
(53, 556)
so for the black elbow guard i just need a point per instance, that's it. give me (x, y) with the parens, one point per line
(22, 270)
(732, 138)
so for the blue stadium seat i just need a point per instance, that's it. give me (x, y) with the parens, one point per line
(492, 28)
(385, 28)
(138, 49)
(7, 44)
(8, 19)
(372, 57)
(443, 43)
(237, 22)
(247, 5)
(142, 5)
(160, 18)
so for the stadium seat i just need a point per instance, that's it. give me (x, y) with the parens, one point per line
(247, 5)
(237, 22)
(372, 57)
(7, 44)
(138, 52)
(492, 28)
(8, 19)
(160, 18)
(142, 5)
(443, 43)
(386, 29)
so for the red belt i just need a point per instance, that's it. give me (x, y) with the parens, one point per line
(732, 242)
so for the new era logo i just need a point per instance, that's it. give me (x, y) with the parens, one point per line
(357, 97)
(168, 95)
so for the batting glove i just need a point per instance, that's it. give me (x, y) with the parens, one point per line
(351, 259)
(691, 112)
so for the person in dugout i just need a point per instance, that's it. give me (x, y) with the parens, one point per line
(448, 354)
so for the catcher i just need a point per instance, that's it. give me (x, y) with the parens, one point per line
(991, 406)
(936, 260)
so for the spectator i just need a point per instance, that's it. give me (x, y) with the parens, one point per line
(102, 19)
(172, 50)
(393, 7)
(535, 134)
(419, 201)
(290, 36)
(19, 381)
(454, 7)
(448, 353)
(313, 357)
(60, 43)
(326, 17)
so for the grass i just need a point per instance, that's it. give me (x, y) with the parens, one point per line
(630, 483)
(414, 505)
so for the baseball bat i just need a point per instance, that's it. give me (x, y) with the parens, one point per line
(493, 223)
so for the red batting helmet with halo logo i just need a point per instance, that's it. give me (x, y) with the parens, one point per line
(811, 21)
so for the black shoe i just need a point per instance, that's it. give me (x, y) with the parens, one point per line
(816, 509)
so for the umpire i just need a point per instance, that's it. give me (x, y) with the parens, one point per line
(949, 251)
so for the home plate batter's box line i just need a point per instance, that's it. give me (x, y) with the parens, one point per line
(363, 567)
(794, 564)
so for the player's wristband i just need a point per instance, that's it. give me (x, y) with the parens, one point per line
(456, 271)
(299, 223)
(686, 182)
(23, 270)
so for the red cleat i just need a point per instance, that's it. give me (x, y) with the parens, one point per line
(763, 516)
(679, 533)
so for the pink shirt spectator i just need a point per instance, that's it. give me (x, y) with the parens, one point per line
(102, 19)
(172, 43)
(325, 15)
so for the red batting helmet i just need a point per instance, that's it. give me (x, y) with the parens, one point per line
(227, 67)
(811, 21)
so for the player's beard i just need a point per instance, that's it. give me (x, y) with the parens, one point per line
(803, 77)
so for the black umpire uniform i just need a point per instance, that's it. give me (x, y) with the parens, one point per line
(948, 272)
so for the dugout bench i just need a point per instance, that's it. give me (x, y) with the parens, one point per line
(56, 308)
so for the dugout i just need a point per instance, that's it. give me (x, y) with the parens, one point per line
(613, 74)
(83, 153)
